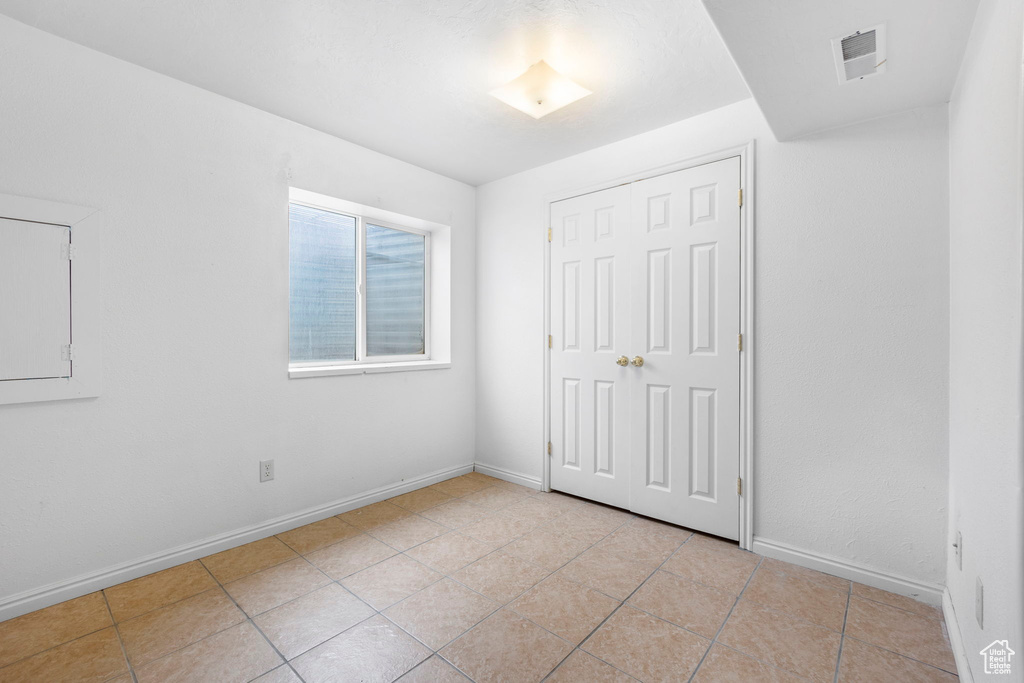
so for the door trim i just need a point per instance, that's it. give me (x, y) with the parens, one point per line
(746, 465)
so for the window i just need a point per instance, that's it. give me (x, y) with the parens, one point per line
(359, 288)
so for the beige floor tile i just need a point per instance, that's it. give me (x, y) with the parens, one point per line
(460, 486)
(348, 557)
(500, 576)
(563, 502)
(408, 532)
(421, 499)
(647, 648)
(583, 524)
(498, 529)
(896, 600)
(95, 657)
(434, 670)
(815, 602)
(640, 545)
(546, 549)
(506, 648)
(310, 537)
(863, 663)
(782, 640)
(580, 667)
(441, 612)
(162, 631)
(146, 593)
(282, 674)
(394, 579)
(375, 515)
(32, 633)
(269, 588)
(248, 559)
(611, 573)
(375, 650)
(480, 476)
(449, 553)
(606, 511)
(671, 531)
(494, 498)
(567, 609)
(535, 510)
(727, 569)
(457, 513)
(833, 582)
(233, 656)
(723, 665)
(297, 626)
(906, 633)
(515, 488)
(685, 603)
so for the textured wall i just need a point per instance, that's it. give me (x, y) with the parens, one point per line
(193, 190)
(851, 331)
(986, 469)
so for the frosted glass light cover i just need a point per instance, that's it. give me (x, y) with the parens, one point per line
(540, 90)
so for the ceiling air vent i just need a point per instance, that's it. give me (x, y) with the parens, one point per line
(860, 54)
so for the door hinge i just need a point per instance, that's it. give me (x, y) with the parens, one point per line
(550, 341)
(67, 251)
(741, 197)
(549, 234)
(739, 342)
(739, 486)
(549, 448)
(67, 352)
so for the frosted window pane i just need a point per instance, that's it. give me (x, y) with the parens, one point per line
(394, 292)
(322, 285)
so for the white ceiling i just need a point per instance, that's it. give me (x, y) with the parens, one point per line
(783, 49)
(410, 78)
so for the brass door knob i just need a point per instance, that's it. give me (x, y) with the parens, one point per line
(638, 361)
(623, 361)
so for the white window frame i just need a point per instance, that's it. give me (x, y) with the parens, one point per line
(86, 302)
(436, 340)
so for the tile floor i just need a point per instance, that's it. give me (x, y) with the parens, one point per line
(476, 578)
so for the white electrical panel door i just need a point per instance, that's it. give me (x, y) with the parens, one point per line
(35, 300)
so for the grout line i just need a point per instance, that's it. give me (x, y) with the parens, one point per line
(900, 654)
(120, 640)
(726, 621)
(253, 623)
(842, 636)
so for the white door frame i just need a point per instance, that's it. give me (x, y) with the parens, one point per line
(746, 154)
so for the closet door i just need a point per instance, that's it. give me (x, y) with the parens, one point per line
(684, 308)
(590, 326)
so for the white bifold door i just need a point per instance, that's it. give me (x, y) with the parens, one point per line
(645, 364)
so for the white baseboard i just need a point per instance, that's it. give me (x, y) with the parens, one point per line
(28, 601)
(956, 640)
(919, 590)
(514, 477)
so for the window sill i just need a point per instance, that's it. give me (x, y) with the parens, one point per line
(367, 368)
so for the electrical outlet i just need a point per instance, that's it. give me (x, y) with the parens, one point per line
(266, 470)
(979, 604)
(959, 545)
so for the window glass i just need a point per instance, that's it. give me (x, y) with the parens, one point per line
(322, 285)
(395, 292)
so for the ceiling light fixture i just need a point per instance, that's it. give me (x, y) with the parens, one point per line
(540, 90)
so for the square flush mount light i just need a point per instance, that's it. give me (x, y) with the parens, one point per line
(540, 90)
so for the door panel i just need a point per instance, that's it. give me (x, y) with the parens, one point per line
(590, 328)
(686, 248)
(649, 269)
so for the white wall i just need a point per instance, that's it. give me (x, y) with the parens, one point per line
(851, 334)
(985, 463)
(193, 190)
